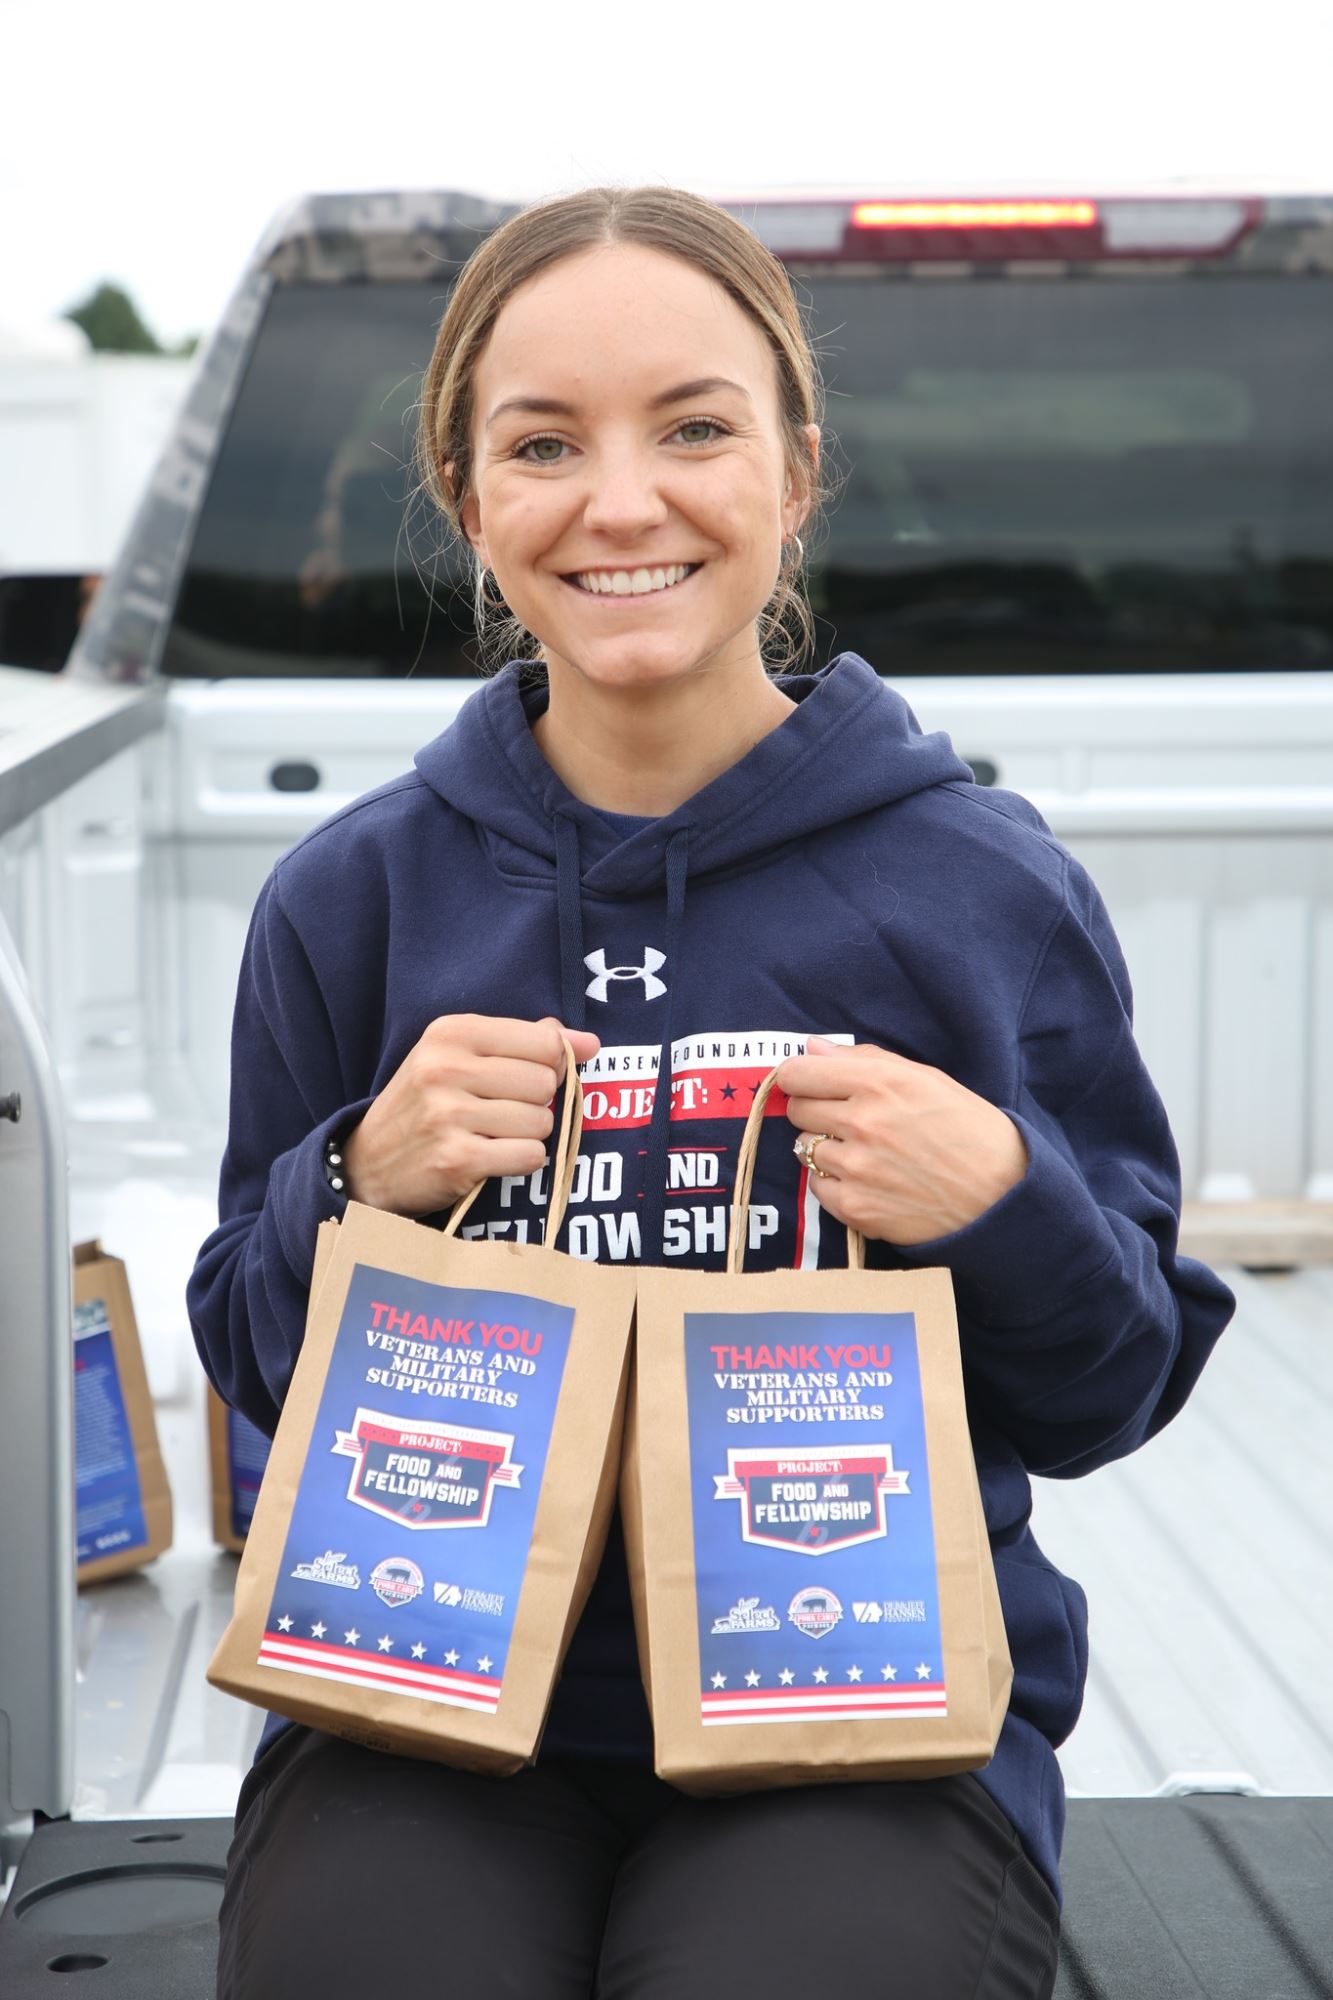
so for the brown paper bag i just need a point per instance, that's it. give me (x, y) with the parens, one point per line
(122, 1500)
(237, 1456)
(440, 1486)
(813, 1589)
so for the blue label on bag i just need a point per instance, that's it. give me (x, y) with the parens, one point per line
(108, 1501)
(247, 1456)
(814, 1548)
(410, 1532)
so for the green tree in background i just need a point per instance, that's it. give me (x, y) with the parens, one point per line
(111, 321)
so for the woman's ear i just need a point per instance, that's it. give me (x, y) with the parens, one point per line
(798, 487)
(469, 518)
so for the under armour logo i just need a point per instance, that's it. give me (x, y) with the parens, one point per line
(653, 961)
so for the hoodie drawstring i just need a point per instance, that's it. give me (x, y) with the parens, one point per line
(653, 1226)
(574, 1002)
(569, 916)
(569, 920)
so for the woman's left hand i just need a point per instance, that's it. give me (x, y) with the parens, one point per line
(911, 1154)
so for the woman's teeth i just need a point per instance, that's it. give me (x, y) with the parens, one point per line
(632, 582)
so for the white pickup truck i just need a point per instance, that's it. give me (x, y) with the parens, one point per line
(1087, 528)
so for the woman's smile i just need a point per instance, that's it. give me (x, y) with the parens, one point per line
(637, 583)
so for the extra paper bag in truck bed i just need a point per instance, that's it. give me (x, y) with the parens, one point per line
(122, 1500)
(237, 1455)
(812, 1581)
(439, 1490)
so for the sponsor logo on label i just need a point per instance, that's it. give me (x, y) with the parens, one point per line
(456, 1597)
(397, 1580)
(748, 1615)
(814, 1611)
(333, 1568)
(891, 1611)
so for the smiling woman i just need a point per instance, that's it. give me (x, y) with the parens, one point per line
(643, 533)
(683, 283)
(620, 422)
(639, 536)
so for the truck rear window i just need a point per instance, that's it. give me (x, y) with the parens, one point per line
(1101, 473)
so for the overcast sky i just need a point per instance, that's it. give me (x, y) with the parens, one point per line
(149, 142)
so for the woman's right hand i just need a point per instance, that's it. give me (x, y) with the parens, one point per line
(470, 1101)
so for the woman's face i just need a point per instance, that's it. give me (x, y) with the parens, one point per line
(630, 491)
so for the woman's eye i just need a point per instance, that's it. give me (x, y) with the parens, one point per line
(531, 448)
(700, 424)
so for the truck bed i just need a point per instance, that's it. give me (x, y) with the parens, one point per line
(1204, 1556)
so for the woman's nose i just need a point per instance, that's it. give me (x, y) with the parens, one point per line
(624, 497)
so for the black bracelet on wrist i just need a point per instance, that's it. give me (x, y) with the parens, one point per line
(333, 1164)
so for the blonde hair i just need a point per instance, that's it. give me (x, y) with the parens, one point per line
(660, 218)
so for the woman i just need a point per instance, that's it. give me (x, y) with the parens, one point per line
(698, 870)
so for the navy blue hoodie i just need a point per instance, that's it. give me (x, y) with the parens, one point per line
(846, 877)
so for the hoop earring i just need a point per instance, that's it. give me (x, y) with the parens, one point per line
(800, 550)
(482, 602)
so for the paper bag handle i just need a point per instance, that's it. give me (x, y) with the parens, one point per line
(563, 1165)
(740, 1209)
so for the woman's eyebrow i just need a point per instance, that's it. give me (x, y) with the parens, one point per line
(551, 406)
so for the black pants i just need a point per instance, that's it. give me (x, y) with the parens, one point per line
(356, 1873)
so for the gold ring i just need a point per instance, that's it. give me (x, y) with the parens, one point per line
(804, 1150)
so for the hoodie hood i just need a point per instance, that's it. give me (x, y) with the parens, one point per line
(850, 744)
